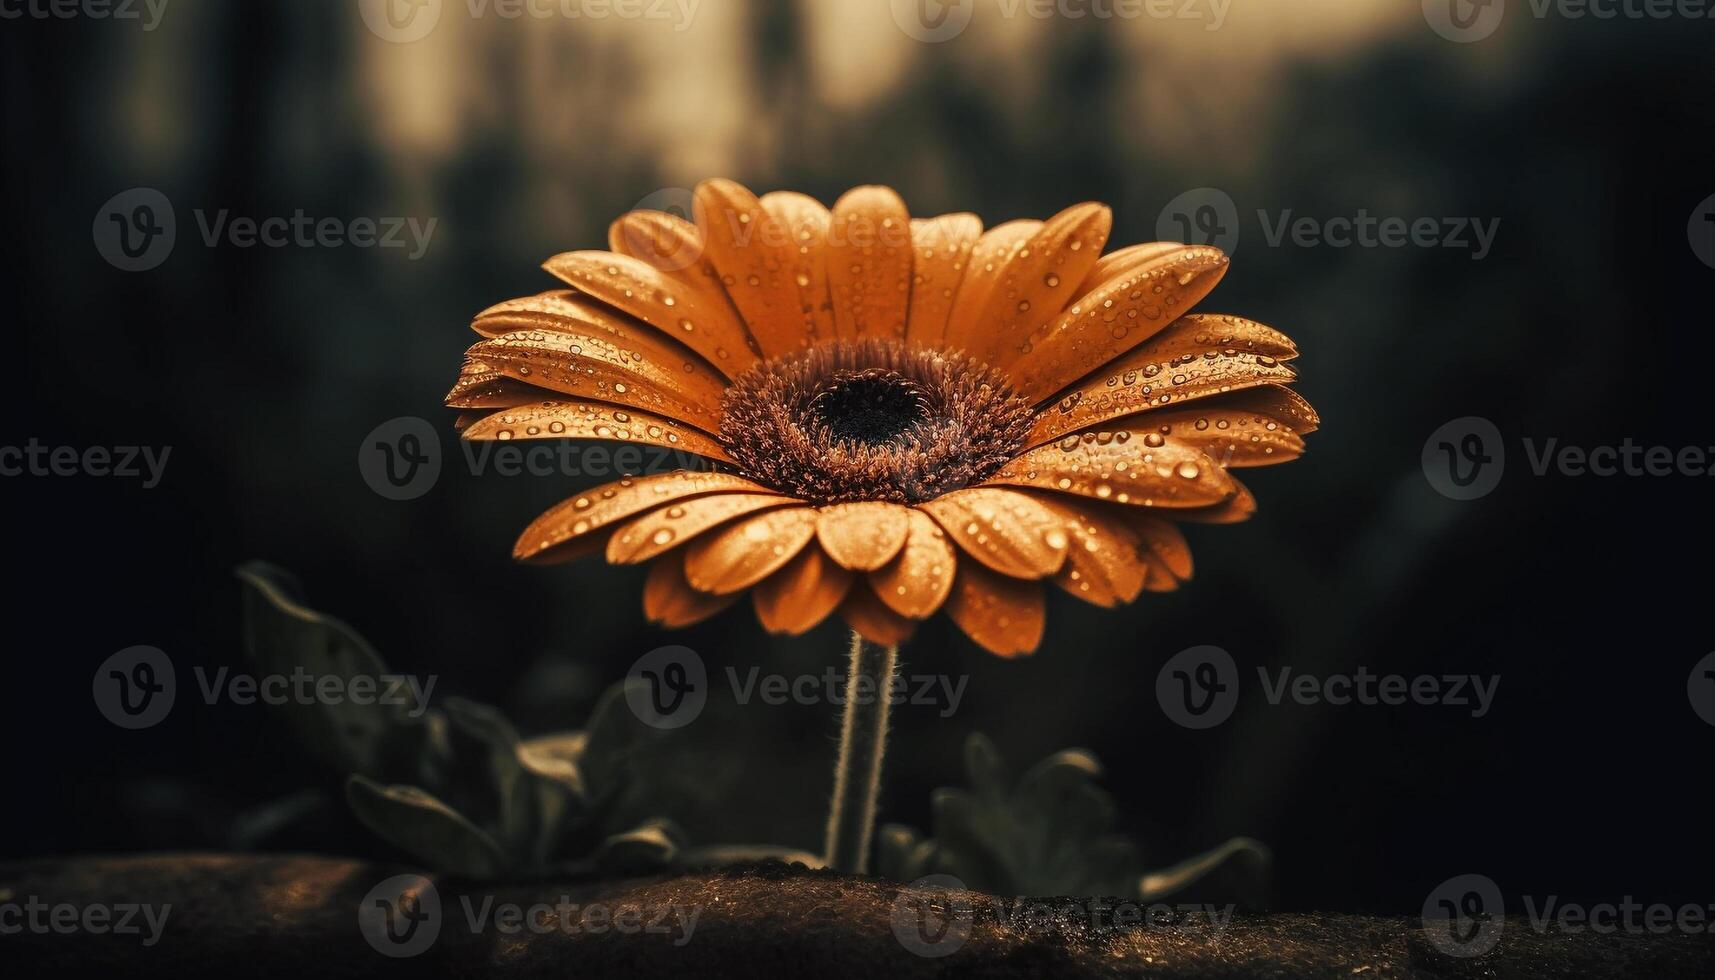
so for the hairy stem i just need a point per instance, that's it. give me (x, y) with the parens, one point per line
(863, 740)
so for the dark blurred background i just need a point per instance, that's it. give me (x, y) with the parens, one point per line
(264, 368)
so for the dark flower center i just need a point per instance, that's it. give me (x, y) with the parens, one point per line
(871, 407)
(872, 419)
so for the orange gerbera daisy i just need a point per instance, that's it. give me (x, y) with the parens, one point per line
(900, 414)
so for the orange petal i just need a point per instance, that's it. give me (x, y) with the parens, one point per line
(943, 246)
(1194, 358)
(1246, 428)
(659, 239)
(1166, 543)
(1040, 280)
(917, 582)
(564, 532)
(593, 420)
(665, 528)
(642, 372)
(672, 306)
(1123, 261)
(771, 262)
(1161, 579)
(796, 598)
(1115, 317)
(1102, 564)
(863, 536)
(480, 386)
(1005, 616)
(668, 600)
(1144, 471)
(872, 620)
(1238, 508)
(990, 257)
(1009, 532)
(559, 309)
(869, 263)
(748, 551)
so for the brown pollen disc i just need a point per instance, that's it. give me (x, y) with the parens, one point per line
(872, 419)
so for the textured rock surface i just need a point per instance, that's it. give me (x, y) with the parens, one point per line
(298, 916)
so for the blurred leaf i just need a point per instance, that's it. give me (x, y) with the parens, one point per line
(282, 636)
(1238, 851)
(1050, 834)
(423, 826)
(647, 847)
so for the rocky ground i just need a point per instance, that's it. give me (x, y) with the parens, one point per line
(289, 916)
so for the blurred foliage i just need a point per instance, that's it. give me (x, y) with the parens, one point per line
(1051, 832)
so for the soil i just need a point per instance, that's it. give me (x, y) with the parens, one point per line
(298, 916)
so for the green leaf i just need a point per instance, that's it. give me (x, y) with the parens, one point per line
(1051, 833)
(486, 778)
(613, 732)
(984, 769)
(643, 848)
(282, 636)
(1239, 850)
(423, 826)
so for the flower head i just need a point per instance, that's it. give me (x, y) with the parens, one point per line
(899, 415)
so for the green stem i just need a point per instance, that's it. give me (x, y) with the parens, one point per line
(863, 741)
